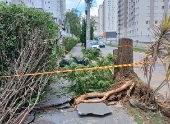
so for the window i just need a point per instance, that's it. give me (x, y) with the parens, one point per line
(155, 7)
(148, 14)
(155, 14)
(161, 14)
(148, 7)
(162, 7)
(156, 22)
(147, 22)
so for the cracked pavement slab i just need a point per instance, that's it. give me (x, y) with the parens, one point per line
(56, 96)
(71, 116)
(93, 108)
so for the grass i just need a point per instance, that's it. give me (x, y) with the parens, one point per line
(112, 45)
(142, 117)
(134, 48)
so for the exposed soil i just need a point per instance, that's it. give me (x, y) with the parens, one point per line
(139, 92)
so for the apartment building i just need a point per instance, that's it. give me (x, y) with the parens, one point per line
(141, 15)
(122, 18)
(100, 20)
(109, 15)
(63, 8)
(56, 7)
(107, 21)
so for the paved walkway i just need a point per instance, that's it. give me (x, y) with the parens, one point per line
(71, 116)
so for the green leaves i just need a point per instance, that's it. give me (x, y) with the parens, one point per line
(17, 25)
(69, 43)
(73, 18)
(94, 80)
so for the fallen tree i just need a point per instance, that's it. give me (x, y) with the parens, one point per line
(104, 95)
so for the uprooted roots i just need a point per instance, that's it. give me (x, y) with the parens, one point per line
(104, 95)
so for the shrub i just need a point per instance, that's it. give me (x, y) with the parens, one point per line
(17, 26)
(69, 43)
(27, 45)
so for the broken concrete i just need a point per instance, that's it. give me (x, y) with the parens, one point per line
(70, 116)
(93, 108)
(54, 101)
(30, 118)
(55, 96)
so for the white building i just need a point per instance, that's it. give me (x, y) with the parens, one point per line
(63, 9)
(56, 7)
(107, 21)
(110, 15)
(122, 19)
(100, 20)
(141, 15)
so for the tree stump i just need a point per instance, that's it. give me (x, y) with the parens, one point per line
(125, 56)
(115, 52)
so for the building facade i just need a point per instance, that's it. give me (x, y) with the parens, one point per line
(100, 20)
(110, 15)
(107, 21)
(122, 18)
(56, 7)
(141, 15)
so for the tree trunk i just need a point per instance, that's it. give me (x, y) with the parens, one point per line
(115, 52)
(125, 56)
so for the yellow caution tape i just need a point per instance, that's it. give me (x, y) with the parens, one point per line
(75, 70)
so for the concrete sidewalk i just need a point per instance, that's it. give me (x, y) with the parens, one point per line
(157, 77)
(116, 115)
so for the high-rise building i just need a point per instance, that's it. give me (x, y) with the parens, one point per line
(100, 20)
(63, 9)
(141, 15)
(110, 15)
(122, 18)
(107, 13)
(56, 7)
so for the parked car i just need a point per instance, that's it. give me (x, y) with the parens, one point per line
(94, 45)
(101, 44)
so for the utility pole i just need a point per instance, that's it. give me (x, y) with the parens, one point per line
(87, 22)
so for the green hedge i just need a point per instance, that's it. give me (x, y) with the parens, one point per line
(17, 24)
(69, 43)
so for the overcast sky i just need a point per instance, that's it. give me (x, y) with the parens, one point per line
(74, 3)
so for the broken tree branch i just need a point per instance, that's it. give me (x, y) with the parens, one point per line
(103, 95)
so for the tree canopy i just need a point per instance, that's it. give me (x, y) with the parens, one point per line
(74, 18)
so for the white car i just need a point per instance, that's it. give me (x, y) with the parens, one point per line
(94, 45)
